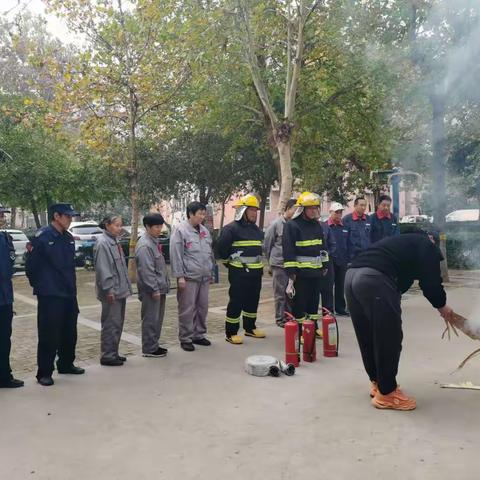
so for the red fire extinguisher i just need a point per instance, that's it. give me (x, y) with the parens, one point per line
(309, 348)
(330, 334)
(292, 348)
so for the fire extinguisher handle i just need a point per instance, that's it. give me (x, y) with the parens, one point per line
(326, 311)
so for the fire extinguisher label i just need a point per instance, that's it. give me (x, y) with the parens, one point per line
(332, 334)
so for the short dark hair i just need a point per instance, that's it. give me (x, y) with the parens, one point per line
(151, 219)
(381, 198)
(108, 220)
(290, 203)
(358, 199)
(194, 207)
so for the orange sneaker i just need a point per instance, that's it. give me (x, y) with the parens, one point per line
(395, 400)
(373, 389)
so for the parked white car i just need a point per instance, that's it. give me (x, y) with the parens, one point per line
(84, 234)
(20, 241)
(416, 219)
(466, 215)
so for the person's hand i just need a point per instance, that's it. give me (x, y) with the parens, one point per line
(181, 283)
(156, 295)
(324, 272)
(447, 313)
(290, 290)
(110, 298)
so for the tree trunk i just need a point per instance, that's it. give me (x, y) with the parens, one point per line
(132, 270)
(439, 161)
(285, 158)
(222, 217)
(261, 221)
(13, 217)
(35, 213)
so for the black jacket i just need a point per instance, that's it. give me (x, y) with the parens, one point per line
(244, 237)
(405, 258)
(302, 238)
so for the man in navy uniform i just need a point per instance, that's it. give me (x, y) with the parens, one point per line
(338, 259)
(383, 222)
(51, 272)
(7, 257)
(358, 228)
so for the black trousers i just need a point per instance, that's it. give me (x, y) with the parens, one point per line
(244, 296)
(306, 299)
(374, 303)
(332, 288)
(57, 333)
(6, 316)
(339, 272)
(326, 288)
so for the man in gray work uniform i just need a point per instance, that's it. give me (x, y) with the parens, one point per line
(192, 260)
(272, 246)
(153, 284)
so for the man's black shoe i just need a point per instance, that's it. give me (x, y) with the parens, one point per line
(188, 347)
(12, 383)
(72, 370)
(202, 341)
(343, 313)
(113, 362)
(45, 381)
(122, 358)
(159, 352)
(280, 323)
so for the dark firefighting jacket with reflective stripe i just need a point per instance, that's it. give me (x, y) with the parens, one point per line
(240, 248)
(304, 251)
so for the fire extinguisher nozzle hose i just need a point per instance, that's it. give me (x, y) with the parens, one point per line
(287, 368)
(274, 371)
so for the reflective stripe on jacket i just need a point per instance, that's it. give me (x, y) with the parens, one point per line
(303, 244)
(241, 239)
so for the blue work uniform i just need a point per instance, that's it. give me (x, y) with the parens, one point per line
(7, 257)
(339, 261)
(383, 226)
(358, 233)
(50, 269)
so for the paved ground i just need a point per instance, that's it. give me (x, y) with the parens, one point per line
(199, 416)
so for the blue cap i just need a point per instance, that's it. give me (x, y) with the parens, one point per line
(62, 209)
(4, 209)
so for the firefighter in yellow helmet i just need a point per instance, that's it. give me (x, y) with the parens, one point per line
(240, 248)
(305, 258)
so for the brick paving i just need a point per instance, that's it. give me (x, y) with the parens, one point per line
(24, 337)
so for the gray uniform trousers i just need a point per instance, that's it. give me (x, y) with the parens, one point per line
(113, 316)
(280, 281)
(193, 310)
(153, 312)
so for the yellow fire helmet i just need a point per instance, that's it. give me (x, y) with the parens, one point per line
(308, 199)
(247, 201)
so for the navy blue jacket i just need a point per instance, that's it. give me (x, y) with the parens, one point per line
(358, 234)
(50, 265)
(7, 257)
(339, 233)
(381, 228)
(330, 242)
